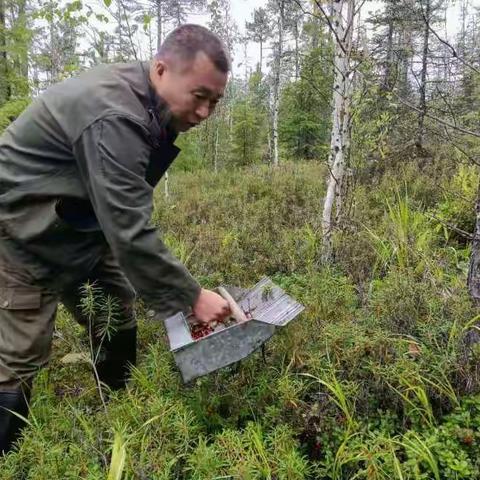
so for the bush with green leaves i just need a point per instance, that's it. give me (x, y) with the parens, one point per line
(11, 110)
(457, 208)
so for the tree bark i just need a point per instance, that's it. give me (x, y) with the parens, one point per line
(166, 189)
(340, 137)
(473, 281)
(261, 57)
(23, 58)
(423, 79)
(389, 65)
(215, 151)
(120, 31)
(159, 23)
(276, 83)
(462, 47)
(159, 13)
(4, 85)
(297, 54)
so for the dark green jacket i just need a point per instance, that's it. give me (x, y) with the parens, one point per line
(77, 173)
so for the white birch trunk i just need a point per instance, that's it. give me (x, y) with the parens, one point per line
(166, 186)
(340, 177)
(260, 63)
(276, 85)
(269, 141)
(297, 56)
(215, 152)
(340, 137)
(346, 111)
(159, 24)
(422, 107)
(159, 13)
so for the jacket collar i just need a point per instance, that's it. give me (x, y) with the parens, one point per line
(158, 108)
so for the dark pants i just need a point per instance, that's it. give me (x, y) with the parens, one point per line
(27, 316)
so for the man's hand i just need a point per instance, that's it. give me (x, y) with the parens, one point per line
(210, 307)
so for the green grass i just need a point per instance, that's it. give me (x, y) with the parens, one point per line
(373, 381)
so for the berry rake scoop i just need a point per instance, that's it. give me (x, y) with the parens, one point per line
(256, 315)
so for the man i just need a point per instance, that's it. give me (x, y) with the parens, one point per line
(77, 172)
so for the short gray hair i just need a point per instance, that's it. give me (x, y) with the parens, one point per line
(189, 39)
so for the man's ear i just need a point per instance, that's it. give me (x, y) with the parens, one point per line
(159, 67)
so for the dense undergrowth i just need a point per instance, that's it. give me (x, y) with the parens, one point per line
(378, 379)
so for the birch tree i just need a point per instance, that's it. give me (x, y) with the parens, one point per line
(279, 7)
(423, 76)
(218, 129)
(342, 24)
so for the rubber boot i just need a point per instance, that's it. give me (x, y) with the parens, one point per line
(118, 354)
(10, 424)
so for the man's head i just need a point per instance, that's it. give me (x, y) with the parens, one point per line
(190, 72)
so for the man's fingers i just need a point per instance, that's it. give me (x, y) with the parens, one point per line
(226, 309)
(221, 315)
(211, 307)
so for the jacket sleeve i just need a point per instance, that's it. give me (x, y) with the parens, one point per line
(112, 156)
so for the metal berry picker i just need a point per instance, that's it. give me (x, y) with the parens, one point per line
(256, 315)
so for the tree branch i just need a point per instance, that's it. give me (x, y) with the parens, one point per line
(461, 232)
(449, 46)
(439, 120)
(330, 26)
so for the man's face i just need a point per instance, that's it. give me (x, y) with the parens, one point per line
(191, 89)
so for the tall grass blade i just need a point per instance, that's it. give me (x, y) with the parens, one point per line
(119, 455)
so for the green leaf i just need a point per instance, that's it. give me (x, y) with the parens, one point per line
(119, 455)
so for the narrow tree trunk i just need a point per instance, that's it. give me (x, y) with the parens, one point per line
(120, 31)
(167, 194)
(18, 58)
(4, 84)
(215, 153)
(462, 47)
(403, 65)
(159, 43)
(340, 137)
(54, 60)
(276, 84)
(178, 14)
(150, 40)
(159, 23)
(269, 143)
(246, 139)
(389, 65)
(473, 280)
(23, 57)
(472, 336)
(261, 57)
(346, 136)
(346, 113)
(297, 55)
(316, 26)
(423, 80)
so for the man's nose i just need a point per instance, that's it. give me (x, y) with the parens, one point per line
(202, 112)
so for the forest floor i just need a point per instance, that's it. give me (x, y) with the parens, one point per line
(377, 379)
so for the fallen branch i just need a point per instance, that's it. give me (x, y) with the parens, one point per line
(461, 232)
